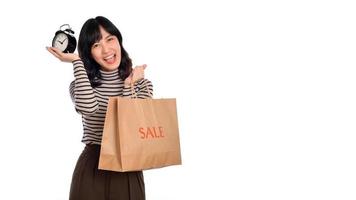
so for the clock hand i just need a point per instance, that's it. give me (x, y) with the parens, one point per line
(59, 41)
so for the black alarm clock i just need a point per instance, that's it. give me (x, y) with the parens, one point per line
(64, 39)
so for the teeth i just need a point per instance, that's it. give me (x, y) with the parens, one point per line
(109, 57)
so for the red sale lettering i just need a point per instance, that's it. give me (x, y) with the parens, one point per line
(141, 130)
(151, 132)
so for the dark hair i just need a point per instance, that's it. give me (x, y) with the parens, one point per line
(90, 34)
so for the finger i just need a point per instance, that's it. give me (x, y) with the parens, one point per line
(58, 51)
(53, 52)
(141, 66)
(49, 49)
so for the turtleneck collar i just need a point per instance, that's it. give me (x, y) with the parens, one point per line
(109, 75)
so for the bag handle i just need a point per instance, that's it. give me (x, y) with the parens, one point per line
(150, 103)
(133, 92)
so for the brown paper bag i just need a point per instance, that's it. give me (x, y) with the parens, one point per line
(140, 134)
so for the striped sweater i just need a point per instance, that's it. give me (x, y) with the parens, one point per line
(91, 103)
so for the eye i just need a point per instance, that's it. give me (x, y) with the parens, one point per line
(95, 46)
(110, 39)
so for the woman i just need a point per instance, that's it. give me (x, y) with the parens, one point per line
(102, 69)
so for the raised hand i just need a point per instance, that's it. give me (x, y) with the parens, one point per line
(64, 57)
(137, 74)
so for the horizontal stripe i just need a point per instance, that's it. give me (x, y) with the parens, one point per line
(91, 103)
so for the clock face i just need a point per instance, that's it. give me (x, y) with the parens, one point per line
(60, 41)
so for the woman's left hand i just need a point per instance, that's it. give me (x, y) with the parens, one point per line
(137, 74)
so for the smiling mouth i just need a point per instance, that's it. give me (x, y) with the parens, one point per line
(110, 59)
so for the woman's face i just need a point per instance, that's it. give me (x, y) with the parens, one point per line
(107, 51)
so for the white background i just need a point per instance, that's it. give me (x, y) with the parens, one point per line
(265, 92)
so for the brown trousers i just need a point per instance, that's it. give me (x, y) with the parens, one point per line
(91, 183)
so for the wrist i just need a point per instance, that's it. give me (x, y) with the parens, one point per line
(76, 59)
(127, 84)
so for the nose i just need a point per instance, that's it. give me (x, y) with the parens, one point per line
(105, 48)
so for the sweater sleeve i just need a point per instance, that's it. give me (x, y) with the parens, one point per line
(81, 91)
(142, 88)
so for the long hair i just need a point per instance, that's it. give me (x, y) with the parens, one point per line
(90, 34)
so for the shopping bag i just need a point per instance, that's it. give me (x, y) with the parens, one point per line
(140, 134)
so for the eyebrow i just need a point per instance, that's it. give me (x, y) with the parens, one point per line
(108, 36)
(102, 38)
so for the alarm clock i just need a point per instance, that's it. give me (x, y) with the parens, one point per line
(64, 39)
